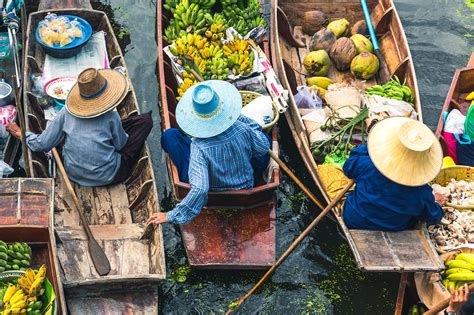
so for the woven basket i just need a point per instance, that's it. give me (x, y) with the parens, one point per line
(457, 172)
(248, 96)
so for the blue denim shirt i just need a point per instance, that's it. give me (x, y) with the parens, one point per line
(220, 163)
(91, 145)
(377, 203)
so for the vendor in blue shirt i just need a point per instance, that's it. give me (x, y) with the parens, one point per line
(391, 174)
(99, 147)
(228, 151)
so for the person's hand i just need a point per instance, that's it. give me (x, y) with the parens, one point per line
(458, 299)
(157, 218)
(440, 198)
(14, 130)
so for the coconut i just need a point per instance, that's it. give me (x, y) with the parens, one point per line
(314, 21)
(340, 27)
(342, 53)
(317, 63)
(362, 43)
(360, 28)
(365, 65)
(323, 39)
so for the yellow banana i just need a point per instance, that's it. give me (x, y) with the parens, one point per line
(470, 96)
(20, 304)
(35, 286)
(9, 293)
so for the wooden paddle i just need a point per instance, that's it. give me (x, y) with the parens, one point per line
(443, 305)
(99, 259)
(302, 236)
(384, 73)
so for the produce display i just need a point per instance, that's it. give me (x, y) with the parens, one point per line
(197, 39)
(16, 256)
(393, 89)
(459, 271)
(456, 227)
(54, 30)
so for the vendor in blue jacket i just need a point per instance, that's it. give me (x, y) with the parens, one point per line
(391, 174)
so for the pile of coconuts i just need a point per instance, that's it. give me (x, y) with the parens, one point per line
(331, 41)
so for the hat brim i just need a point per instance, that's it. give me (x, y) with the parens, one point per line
(113, 95)
(199, 127)
(396, 162)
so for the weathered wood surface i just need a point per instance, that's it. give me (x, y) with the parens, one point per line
(116, 213)
(243, 238)
(64, 4)
(388, 255)
(221, 241)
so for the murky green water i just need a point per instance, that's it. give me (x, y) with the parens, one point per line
(319, 277)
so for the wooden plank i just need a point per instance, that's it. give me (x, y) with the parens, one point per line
(373, 249)
(101, 232)
(136, 257)
(114, 252)
(119, 199)
(103, 205)
(74, 259)
(64, 4)
(86, 198)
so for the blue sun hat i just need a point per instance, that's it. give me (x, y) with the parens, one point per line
(208, 108)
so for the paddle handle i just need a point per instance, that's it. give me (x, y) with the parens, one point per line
(22, 121)
(99, 259)
(443, 305)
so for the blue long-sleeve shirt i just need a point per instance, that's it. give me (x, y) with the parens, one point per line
(91, 145)
(377, 203)
(220, 163)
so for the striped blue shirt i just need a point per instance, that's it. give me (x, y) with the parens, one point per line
(220, 163)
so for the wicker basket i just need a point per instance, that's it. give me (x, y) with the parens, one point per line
(457, 172)
(248, 96)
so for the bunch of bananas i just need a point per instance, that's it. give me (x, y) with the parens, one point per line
(189, 80)
(14, 300)
(393, 89)
(16, 256)
(239, 56)
(189, 45)
(242, 16)
(190, 17)
(217, 69)
(459, 271)
(170, 5)
(32, 283)
(217, 29)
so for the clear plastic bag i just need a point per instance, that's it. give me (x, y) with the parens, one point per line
(307, 99)
(455, 122)
(7, 116)
(5, 169)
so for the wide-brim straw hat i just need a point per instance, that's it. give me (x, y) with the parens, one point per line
(96, 92)
(209, 108)
(405, 150)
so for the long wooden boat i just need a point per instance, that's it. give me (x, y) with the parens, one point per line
(26, 215)
(373, 250)
(236, 229)
(462, 84)
(116, 213)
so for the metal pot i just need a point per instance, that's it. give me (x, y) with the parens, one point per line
(6, 91)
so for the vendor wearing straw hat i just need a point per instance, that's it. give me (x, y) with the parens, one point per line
(392, 173)
(228, 150)
(99, 148)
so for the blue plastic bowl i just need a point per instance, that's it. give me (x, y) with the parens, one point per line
(74, 47)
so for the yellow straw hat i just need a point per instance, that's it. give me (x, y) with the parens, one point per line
(96, 92)
(405, 151)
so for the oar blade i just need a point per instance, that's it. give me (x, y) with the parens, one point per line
(99, 259)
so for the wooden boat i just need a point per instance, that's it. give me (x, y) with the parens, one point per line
(26, 215)
(116, 214)
(462, 84)
(373, 250)
(242, 233)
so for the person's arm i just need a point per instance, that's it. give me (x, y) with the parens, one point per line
(458, 299)
(260, 142)
(196, 199)
(50, 137)
(432, 210)
(353, 167)
(119, 136)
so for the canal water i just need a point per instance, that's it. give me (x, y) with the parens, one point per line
(320, 276)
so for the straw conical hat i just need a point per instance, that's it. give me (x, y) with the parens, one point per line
(96, 92)
(405, 151)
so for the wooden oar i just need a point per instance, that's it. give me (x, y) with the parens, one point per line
(443, 305)
(384, 73)
(99, 259)
(301, 237)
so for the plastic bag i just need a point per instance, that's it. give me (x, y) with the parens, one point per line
(7, 116)
(5, 169)
(260, 110)
(454, 122)
(313, 121)
(307, 99)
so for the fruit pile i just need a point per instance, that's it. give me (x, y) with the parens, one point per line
(331, 42)
(25, 296)
(196, 34)
(459, 271)
(16, 256)
(393, 89)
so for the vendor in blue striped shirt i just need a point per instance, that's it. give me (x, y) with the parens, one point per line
(227, 151)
